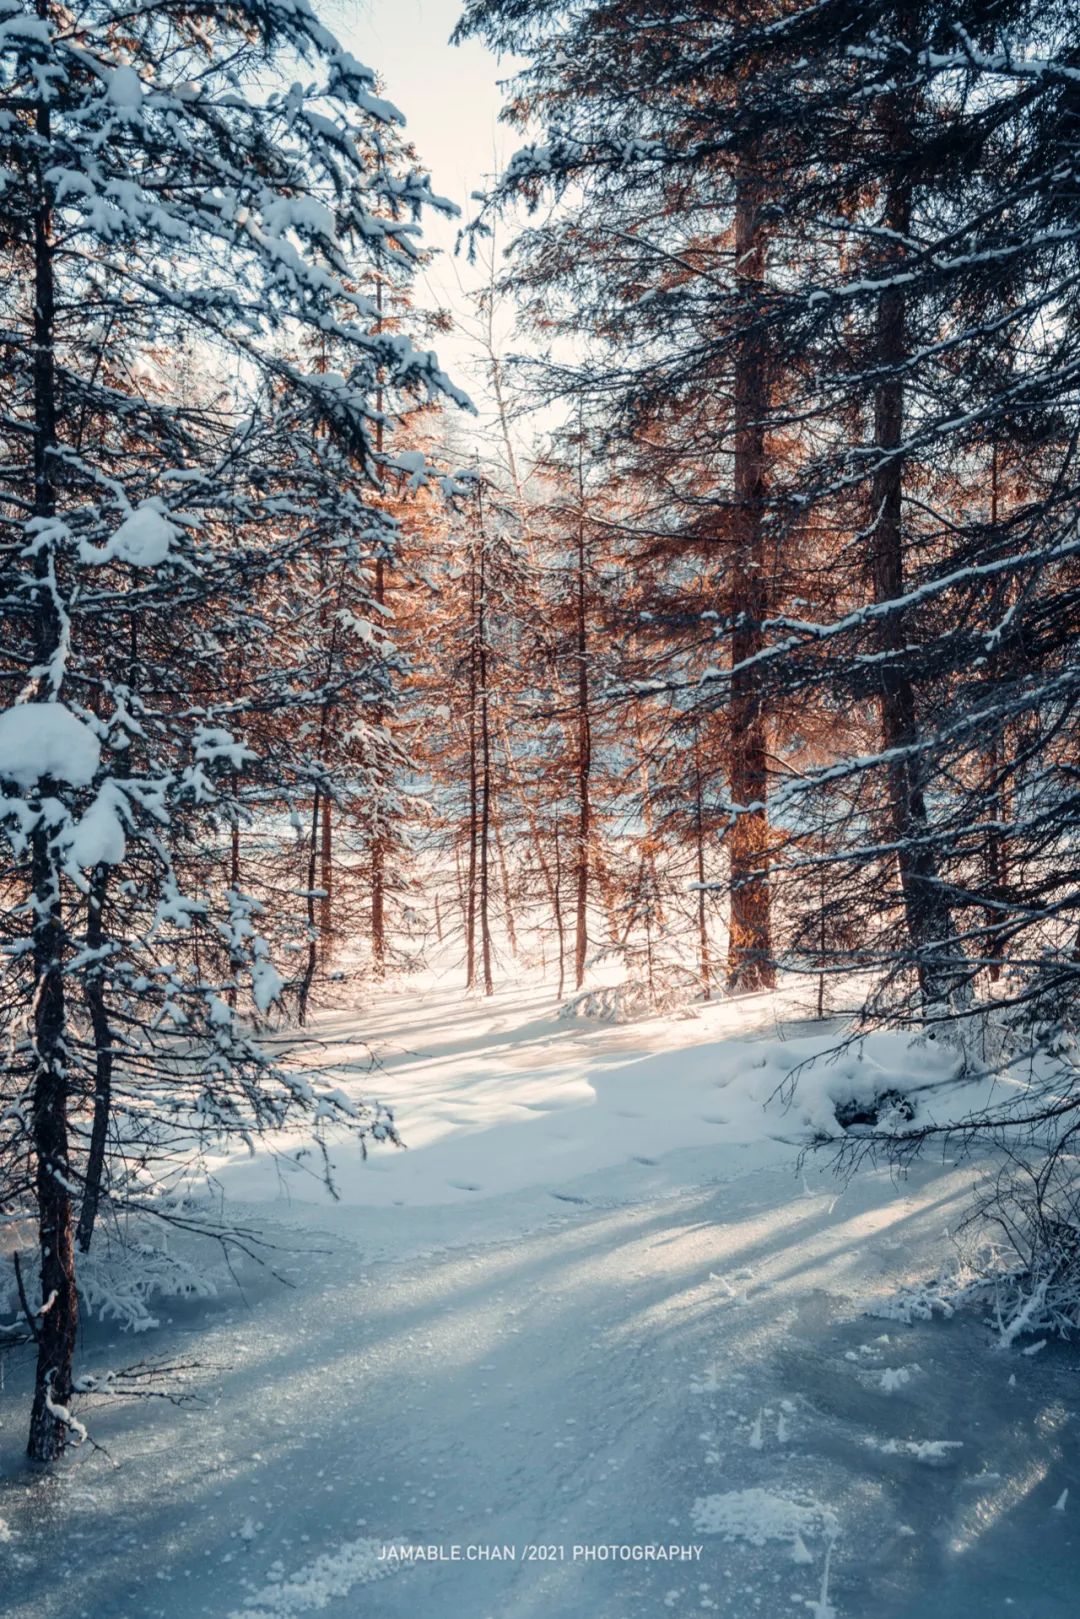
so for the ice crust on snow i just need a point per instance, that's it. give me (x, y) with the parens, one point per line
(46, 739)
(757, 1516)
(930, 1452)
(314, 1586)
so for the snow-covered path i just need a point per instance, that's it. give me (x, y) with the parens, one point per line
(631, 1354)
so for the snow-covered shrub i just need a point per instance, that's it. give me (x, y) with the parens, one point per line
(1017, 1256)
(1019, 1247)
(634, 999)
(198, 234)
(130, 1265)
(1032, 1270)
(125, 1272)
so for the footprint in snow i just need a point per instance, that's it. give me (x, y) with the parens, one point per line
(568, 1197)
(464, 1186)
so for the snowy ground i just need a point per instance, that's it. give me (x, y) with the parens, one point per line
(595, 1304)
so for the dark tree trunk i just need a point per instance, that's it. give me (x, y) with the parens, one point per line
(557, 903)
(58, 1321)
(463, 903)
(234, 881)
(925, 910)
(103, 1059)
(378, 841)
(485, 847)
(474, 784)
(315, 938)
(997, 863)
(57, 1324)
(485, 763)
(326, 879)
(750, 952)
(584, 752)
(312, 916)
(704, 954)
(997, 855)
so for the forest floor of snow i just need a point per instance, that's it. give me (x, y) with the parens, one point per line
(598, 1303)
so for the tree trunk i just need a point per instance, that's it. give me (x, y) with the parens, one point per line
(102, 1032)
(234, 882)
(823, 849)
(605, 883)
(313, 932)
(326, 878)
(57, 1324)
(997, 856)
(997, 862)
(315, 938)
(504, 879)
(485, 763)
(750, 952)
(530, 815)
(485, 846)
(463, 903)
(378, 841)
(584, 752)
(704, 955)
(557, 902)
(925, 910)
(474, 786)
(378, 906)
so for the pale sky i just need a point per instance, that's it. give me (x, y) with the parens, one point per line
(450, 97)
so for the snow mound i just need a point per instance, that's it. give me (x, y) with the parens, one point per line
(631, 1001)
(314, 1586)
(758, 1517)
(46, 739)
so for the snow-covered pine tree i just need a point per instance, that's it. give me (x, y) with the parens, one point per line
(174, 203)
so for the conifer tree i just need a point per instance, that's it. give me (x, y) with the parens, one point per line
(158, 199)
